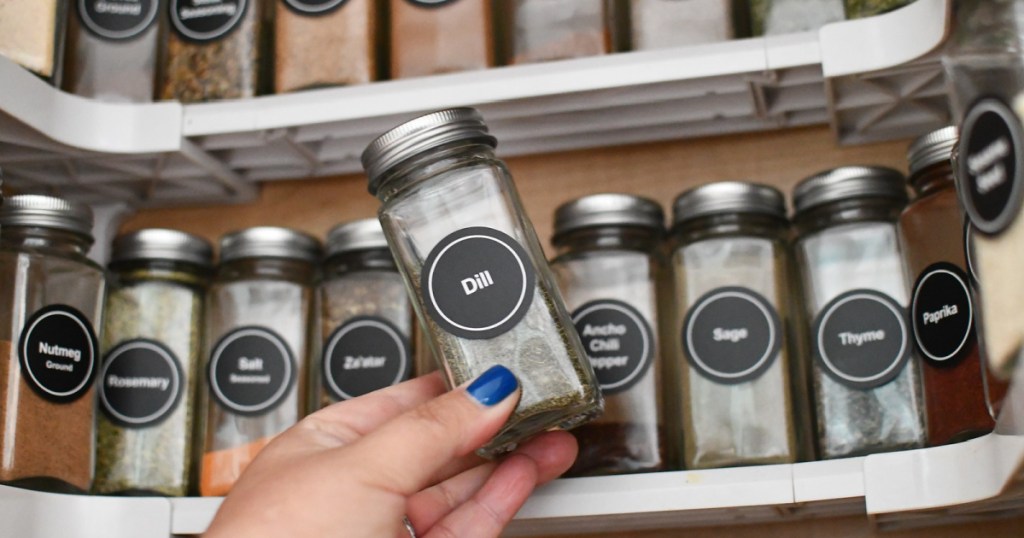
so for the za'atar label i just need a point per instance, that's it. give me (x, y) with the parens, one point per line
(989, 165)
(942, 313)
(206, 20)
(364, 354)
(251, 371)
(618, 340)
(117, 19)
(141, 383)
(57, 353)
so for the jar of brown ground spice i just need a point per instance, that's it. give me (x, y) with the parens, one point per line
(52, 298)
(544, 30)
(430, 37)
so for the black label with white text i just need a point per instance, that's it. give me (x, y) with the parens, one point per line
(731, 335)
(140, 384)
(206, 20)
(618, 341)
(364, 354)
(251, 371)
(990, 168)
(431, 3)
(57, 353)
(314, 7)
(942, 313)
(117, 19)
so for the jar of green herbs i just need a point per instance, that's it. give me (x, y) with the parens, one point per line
(151, 343)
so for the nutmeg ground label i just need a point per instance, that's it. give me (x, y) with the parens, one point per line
(58, 353)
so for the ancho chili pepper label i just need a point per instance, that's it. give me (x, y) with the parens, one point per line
(58, 353)
(991, 172)
(206, 20)
(117, 19)
(942, 314)
(364, 354)
(251, 371)
(140, 383)
(618, 340)
(731, 335)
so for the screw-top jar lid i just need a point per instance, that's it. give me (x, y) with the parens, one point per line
(728, 197)
(848, 182)
(419, 135)
(269, 242)
(162, 244)
(608, 209)
(931, 148)
(46, 212)
(361, 234)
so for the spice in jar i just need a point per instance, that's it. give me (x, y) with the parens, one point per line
(866, 377)
(259, 318)
(608, 266)
(152, 340)
(365, 315)
(53, 297)
(856, 9)
(344, 34)
(32, 35)
(473, 265)
(214, 49)
(111, 50)
(658, 24)
(740, 386)
(430, 37)
(544, 30)
(772, 17)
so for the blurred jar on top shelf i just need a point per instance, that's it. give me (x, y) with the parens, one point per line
(544, 30)
(430, 37)
(32, 35)
(772, 17)
(856, 9)
(656, 24)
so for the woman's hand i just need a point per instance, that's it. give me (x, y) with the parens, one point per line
(357, 467)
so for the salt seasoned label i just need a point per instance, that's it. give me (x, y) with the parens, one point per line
(57, 353)
(314, 7)
(477, 283)
(731, 335)
(861, 339)
(251, 371)
(206, 20)
(990, 167)
(364, 354)
(618, 340)
(117, 19)
(942, 313)
(141, 383)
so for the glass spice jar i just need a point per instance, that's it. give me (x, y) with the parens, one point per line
(32, 35)
(658, 24)
(346, 33)
(430, 37)
(152, 340)
(544, 30)
(365, 315)
(259, 320)
(472, 263)
(741, 385)
(111, 50)
(214, 49)
(857, 9)
(52, 299)
(866, 377)
(607, 266)
(772, 17)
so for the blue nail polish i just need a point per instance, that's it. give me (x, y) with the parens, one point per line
(493, 386)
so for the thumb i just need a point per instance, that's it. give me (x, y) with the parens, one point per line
(405, 454)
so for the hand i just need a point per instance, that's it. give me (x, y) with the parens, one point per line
(357, 467)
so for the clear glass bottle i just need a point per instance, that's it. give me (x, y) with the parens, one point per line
(866, 377)
(544, 30)
(32, 35)
(472, 262)
(772, 17)
(259, 342)
(112, 50)
(608, 265)
(52, 301)
(658, 24)
(740, 382)
(431, 37)
(857, 9)
(151, 343)
(365, 316)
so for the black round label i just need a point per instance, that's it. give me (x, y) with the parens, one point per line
(117, 19)
(861, 339)
(477, 283)
(990, 165)
(969, 252)
(941, 313)
(430, 3)
(314, 7)
(251, 371)
(206, 20)
(364, 354)
(58, 353)
(618, 340)
(140, 384)
(731, 335)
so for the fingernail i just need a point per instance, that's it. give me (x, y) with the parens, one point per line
(493, 386)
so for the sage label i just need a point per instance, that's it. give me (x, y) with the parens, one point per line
(618, 340)
(942, 314)
(206, 20)
(251, 371)
(314, 7)
(990, 165)
(140, 384)
(731, 335)
(57, 353)
(117, 19)
(861, 339)
(364, 354)
(477, 283)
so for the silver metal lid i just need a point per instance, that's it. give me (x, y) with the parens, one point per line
(419, 135)
(849, 182)
(162, 244)
(728, 197)
(931, 148)
(46, 212)
(361, 234)
(269, 242)
(608, 209)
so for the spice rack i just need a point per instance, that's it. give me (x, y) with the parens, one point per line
(870, 79)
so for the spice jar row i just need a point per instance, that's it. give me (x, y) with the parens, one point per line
(197, 50)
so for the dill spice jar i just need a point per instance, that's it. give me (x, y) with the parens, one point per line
(32, 35)
(52, 300)
(152, 340)
(259, 317)
(365, 315)
(607, 267)
(430, 37)
(740, 384)
(476, 272)
(544, 30)
(866, 377)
